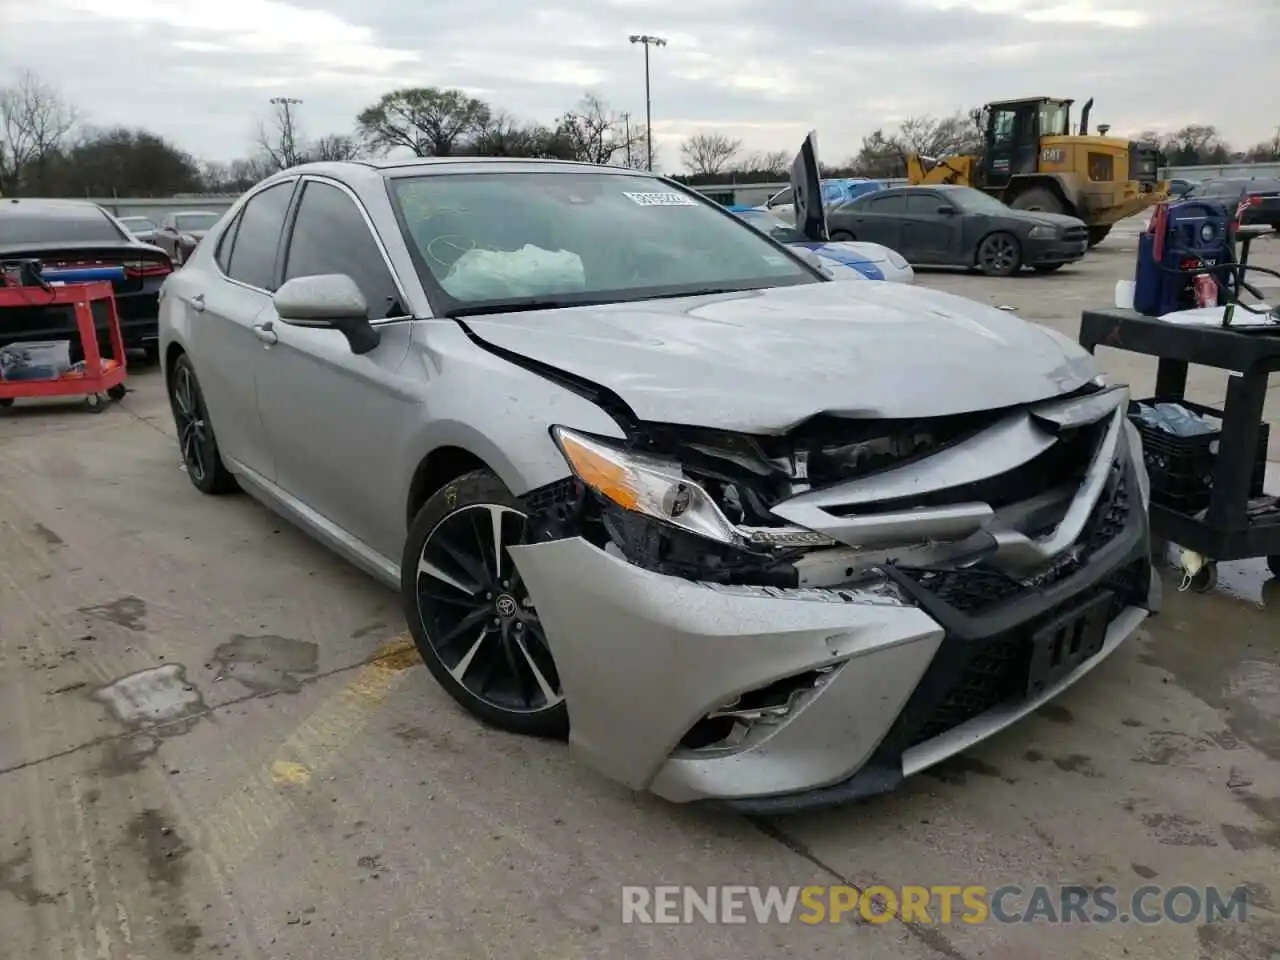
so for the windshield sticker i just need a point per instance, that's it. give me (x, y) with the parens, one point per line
(775, 260)
(667, 199)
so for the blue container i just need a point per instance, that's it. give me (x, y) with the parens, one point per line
(1196, 233)
(82, 274)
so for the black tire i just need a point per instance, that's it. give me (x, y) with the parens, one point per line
(471, 618)
(842, 236)
(1273, 564)
(999, 254)
(1038, 198)
(1098, 234)
(196, 439)
(1047, 267)
(6, 402)
(117, 392)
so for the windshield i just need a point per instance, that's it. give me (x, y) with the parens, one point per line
(543, 239)
(196, 221)
(137, 223)
(975, 201)
(1054, 118)
(57, 227)
(770, 225)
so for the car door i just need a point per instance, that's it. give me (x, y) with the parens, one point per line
(876, 219)
(927, 233)
(1013, 138)
(225, 346)
(334, 419)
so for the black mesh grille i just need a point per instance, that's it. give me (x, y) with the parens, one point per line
(970, 677)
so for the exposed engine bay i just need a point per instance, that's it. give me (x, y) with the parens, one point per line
(949, 488)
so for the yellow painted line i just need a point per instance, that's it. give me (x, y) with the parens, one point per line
(258, 805)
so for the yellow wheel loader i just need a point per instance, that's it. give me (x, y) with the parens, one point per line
(1031, 160)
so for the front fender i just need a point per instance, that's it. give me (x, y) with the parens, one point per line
(493, 409)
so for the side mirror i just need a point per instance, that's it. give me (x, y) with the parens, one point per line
(328, 300)
(947, 210)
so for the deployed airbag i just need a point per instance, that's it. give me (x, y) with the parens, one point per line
(501, 274)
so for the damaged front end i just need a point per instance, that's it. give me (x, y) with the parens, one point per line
(991, 523)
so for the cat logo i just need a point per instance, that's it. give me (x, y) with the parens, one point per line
(1053, 155)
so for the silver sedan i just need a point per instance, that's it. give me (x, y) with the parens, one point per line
(647, 479)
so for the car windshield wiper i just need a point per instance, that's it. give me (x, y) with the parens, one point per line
(519, 306)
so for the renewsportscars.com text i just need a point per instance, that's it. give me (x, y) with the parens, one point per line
(941, 904)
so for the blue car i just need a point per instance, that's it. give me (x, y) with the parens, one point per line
(872, 260)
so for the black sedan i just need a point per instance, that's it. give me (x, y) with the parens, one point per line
(78, 233)
(961, 227)
(1257, 198)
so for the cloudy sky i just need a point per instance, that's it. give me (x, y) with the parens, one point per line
(200, 72)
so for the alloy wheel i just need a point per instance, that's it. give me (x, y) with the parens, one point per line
(477, 614)
(193, 426)
(998, 254)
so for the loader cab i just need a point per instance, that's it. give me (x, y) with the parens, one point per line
(1012, 132)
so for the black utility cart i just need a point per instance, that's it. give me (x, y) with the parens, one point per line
(1206, 491)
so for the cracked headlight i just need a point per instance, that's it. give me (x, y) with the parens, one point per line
(646, 485)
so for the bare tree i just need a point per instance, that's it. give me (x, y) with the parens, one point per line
(430, 121)
(34, 124)
(879, 156)
(1196, 143)
(939, 136)
(1268, 151)
(593, 133)
(772, 161)
(334, 146)
(707, 154)
(278, 138)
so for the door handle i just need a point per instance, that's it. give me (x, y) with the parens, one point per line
(264, 333)
(197, 303)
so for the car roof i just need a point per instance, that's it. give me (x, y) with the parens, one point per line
(916, 188)
(425, 165)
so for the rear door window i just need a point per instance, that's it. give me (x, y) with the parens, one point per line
(923, 203)
(894, 203)
(253, 256)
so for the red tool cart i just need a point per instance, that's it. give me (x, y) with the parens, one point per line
(25, 285)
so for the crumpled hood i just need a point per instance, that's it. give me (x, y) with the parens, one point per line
(764, 361)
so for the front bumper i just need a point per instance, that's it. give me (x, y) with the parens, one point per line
(1042, 252)
(644, 657)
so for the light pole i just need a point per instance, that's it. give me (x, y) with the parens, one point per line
(286, 105)
(648, 41)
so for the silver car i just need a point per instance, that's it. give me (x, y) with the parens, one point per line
(648, 479)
